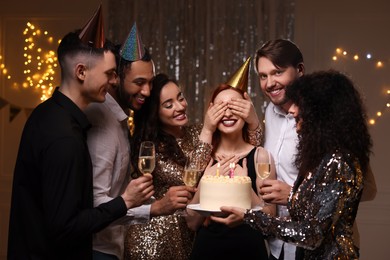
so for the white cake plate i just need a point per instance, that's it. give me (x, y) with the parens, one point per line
(206, 212)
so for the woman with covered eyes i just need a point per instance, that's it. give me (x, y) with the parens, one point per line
(333, 158)
(163, 120)
(213, 240)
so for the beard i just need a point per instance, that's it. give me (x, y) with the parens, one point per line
(123, 98)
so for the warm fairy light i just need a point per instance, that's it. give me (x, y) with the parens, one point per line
(379, 64)
(40, 63)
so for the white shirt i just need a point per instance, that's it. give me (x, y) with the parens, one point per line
(281, 140)
(109, 147)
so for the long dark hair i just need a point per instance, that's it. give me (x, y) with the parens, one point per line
(148, 126)
(333, 117)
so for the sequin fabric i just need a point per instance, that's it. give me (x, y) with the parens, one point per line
(322, 209)
(256, 136)
(167, 237)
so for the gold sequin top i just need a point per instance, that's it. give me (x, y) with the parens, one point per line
(167, 237)
(322, 209)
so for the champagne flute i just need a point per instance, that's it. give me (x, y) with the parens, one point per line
(263, 165)
(192, 171)
(191, 175)
(147, 157)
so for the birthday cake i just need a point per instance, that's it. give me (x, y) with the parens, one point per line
(217, 191)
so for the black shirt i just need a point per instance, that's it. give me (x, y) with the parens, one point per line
(52, 213)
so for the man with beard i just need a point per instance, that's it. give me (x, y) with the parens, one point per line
(52, 212)
(109, 144)
(278, 63)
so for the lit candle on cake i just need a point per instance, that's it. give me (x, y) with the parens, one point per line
(218, 165)
(231, 173)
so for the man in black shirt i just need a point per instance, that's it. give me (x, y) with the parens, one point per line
(52, 213)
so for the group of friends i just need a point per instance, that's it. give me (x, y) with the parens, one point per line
(78, 194)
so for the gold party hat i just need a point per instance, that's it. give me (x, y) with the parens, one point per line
(93, 32)
(239, 79)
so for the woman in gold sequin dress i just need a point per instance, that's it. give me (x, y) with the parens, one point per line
(333, 156)
(163, 120)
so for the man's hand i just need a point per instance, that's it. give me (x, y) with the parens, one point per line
(177, 197)
(274, 191)
(138, 191)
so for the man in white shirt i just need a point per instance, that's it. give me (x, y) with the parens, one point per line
(278, 63)
(109, 146)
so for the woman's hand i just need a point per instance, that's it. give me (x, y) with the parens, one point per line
(213, 115)
(235, 217)
(243, 107)
(224, 163)
(241, 171)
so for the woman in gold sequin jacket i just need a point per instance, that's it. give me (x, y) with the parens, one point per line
(163, 120)
(333, 156)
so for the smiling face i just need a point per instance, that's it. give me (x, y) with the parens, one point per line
(274, 81)
(172, 110)
(229, 123)
(136, 84)
(98, 77)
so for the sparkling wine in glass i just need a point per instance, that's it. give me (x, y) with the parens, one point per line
(147, 157)
(191, 175)
(263, 166)
(192, 171)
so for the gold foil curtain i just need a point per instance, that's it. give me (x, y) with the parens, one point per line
(202, 42)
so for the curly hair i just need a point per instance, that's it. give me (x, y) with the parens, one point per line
(148, 126)
(332, 117)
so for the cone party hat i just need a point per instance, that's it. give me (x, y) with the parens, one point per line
(239, 79)
(133, 48)
(93, 32)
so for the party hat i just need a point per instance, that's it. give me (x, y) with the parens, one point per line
(133, 48)
(240, 77)
(93, 32)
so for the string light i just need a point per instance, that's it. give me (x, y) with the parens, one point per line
(40, 64)
(379, 64)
